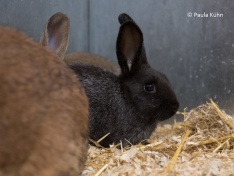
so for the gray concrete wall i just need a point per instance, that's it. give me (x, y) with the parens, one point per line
(31, 17)
(197, 54)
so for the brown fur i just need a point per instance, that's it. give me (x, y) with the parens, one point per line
(44, 111)
(91, 59)
(59, 24)
(56, 34)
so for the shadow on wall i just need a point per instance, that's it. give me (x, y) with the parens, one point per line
(196, 53)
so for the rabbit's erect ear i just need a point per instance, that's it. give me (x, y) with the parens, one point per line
(124, 18)
(56, 34)
(129, 47)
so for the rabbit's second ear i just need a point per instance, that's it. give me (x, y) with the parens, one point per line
(56, 34)
(130, 49)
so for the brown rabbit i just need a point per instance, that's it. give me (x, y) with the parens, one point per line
(56, 34)
(44, 111)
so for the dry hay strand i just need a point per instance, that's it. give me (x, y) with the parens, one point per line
(203, 144)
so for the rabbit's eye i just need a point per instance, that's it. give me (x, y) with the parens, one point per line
(150, 87)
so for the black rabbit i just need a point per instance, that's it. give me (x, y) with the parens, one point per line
(128, 106)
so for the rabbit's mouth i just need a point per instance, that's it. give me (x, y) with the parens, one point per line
(168, 110)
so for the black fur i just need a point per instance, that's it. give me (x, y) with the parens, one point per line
(124, 17)
(120, 105)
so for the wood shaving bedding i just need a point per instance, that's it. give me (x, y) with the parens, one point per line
(203, 144)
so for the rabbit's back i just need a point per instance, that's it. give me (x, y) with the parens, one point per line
(44, 112)
(92, 59)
